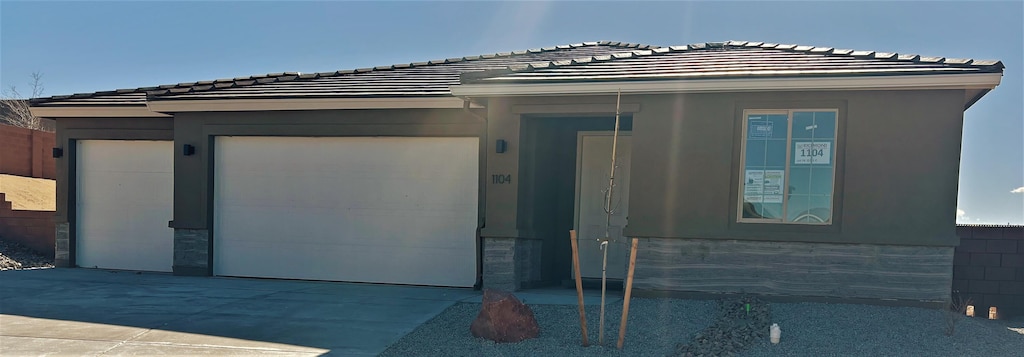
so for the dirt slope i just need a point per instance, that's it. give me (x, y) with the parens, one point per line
(27, 193)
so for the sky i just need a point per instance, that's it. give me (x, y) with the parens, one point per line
(88, 46)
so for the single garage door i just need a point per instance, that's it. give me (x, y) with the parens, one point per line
(125, 197)
(397, 210)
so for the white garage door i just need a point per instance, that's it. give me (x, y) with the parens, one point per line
(367, 209)
(125, 197)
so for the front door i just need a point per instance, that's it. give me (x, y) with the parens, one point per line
(593, 164)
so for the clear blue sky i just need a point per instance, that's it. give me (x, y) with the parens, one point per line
(93, 46)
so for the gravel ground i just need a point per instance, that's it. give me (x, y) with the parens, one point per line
(658, 326)
(16, 256)
(666, 322)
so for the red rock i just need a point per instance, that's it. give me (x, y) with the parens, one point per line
(503, 318)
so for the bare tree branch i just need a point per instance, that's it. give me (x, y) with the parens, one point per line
(14, 109)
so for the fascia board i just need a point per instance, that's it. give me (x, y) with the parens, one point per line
(95, 111)
(947, 81)
(219, 105)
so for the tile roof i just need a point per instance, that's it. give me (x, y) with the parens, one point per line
(430, 78)
(731, 59)
(600, 61)
(421, 79)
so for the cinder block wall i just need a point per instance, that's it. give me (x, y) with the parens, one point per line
(988, 268)
(25, 152)
(33, 229)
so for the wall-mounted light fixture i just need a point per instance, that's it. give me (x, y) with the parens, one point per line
(188, 150)
(500, 146)
(58, 152)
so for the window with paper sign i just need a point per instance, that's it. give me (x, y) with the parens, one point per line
(788, 166)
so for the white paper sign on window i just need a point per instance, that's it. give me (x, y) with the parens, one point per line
(753, 187)
(812, 153)
(763, 186)
(772, 185)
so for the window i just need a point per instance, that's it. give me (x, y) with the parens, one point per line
(788, 166)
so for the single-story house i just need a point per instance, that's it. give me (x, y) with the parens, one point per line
(743, 167)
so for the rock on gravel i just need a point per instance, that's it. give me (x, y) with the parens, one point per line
(16, 256)
(503, 318)
(655, 327)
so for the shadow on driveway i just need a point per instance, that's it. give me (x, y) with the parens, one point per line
(90, 312)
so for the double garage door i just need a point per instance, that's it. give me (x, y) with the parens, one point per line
(368, 209)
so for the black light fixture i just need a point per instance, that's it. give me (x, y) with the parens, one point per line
(58, 152)
(500, 146)
(188, 150)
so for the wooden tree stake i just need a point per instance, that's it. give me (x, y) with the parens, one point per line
(629, 292)
(579, 285)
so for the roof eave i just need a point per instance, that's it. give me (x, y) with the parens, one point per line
(95, 111)
(986, 81)
(300, 103)
(976, 97)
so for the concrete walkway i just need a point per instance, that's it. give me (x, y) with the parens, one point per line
(85, 312)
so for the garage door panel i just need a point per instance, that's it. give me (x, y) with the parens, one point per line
(293, 192)
(384, 193)
(333, 262)
(356, 261)
(125, 198)
(303, 224)
(389, 210)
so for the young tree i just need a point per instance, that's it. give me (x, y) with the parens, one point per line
(14, 109)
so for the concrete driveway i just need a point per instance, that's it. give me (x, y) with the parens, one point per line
(96, 312)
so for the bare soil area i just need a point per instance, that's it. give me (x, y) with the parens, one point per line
(32, 194)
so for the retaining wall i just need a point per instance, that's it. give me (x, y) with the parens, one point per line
(33, 229)
(25, 152)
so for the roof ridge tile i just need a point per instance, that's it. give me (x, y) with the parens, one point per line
(908, 57)
(816, 50)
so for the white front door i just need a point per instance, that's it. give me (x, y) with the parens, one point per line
(362, 209)
(593, 166)
(125, 197)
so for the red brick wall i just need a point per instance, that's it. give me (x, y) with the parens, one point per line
(33, 229)
(988, 267)
(26, 152)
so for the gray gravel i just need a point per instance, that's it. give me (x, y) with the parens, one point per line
(657, 326)
(664, 322)
(863, 330)
(14, 256)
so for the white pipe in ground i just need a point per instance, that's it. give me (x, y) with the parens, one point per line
(776, 333)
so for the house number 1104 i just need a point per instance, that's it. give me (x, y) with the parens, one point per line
(501, 179)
